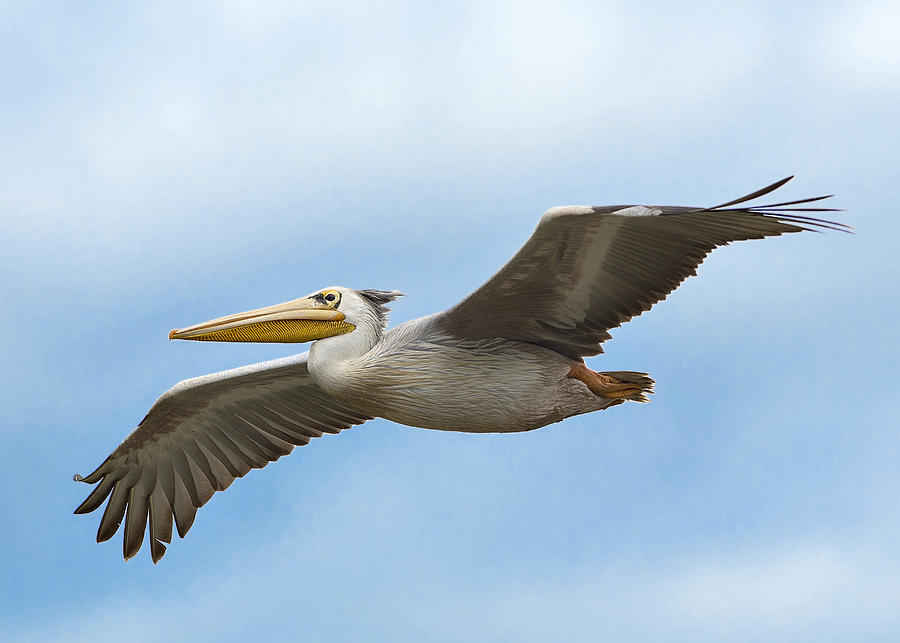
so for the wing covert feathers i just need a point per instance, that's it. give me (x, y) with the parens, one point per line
(586, 270)
(198, 438)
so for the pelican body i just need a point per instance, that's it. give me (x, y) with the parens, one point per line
(419, 375)
(509, 357)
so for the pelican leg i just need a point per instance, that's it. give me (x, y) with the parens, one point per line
(627, 385)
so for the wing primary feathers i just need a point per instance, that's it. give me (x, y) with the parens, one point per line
(166, 480)
(184, 509)
(135, 521)
(588, 269)
(754, 195)
(115, 508)
(198, 438)
(96, 474)
(138, 512)
(183, 471)
(217, 473)
(196, 456)
(97, 496)
(797, 219)
(160, 524)
(810, 200)
(161, 515)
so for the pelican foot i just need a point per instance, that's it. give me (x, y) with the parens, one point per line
(615, 385)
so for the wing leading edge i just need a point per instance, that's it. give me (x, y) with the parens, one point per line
(198, 438)
(586, 270)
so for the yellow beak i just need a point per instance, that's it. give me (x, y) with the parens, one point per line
(297, 321)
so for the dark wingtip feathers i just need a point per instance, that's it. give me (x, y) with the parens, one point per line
(754, 195)
(157, 550)
(784, 214)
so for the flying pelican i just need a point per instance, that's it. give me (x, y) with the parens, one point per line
(507, 358)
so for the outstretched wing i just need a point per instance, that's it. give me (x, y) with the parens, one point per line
(586, 270)
(201, 435)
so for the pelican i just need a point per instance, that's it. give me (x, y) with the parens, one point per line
(507, 358)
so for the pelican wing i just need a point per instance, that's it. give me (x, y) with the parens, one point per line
(201, 435)
(586, 270)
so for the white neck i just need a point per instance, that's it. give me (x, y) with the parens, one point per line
(329, 358)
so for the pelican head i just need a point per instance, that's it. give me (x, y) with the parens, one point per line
(323, 313)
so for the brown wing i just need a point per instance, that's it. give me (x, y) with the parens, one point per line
(586, 270)
(201, 435)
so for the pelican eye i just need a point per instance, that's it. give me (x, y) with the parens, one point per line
(330, 298)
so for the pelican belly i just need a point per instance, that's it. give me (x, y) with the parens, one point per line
(440, 382)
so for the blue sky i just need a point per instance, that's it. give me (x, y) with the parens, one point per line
(166, 164)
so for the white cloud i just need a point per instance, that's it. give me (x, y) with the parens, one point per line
(534, 78)
(795, 593)
(241, 112)
(788, 588)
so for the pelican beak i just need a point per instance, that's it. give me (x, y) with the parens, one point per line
(297, 321)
